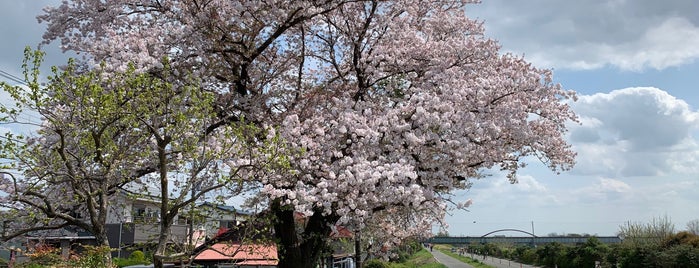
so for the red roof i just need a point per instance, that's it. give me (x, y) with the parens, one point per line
(241, 254)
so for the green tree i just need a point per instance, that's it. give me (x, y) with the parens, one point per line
(82, 153)
(590, 252)
(679, 256)
(101, 132)
(551, 254)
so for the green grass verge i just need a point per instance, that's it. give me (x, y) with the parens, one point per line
(446, 249)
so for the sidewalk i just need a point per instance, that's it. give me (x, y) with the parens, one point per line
(448, 261)
(498, 263)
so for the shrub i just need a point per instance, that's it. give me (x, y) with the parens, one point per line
(42, 255)
(121, 262)
(137, 255)
(93, 257)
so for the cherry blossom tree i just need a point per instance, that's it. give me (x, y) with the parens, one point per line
(390, 103)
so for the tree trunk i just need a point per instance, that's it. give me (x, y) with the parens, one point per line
(300, 249)
(163, 237)
(102, 241)
(165, 219)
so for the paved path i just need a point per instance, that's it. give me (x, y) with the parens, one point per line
(449, 261)
(494, 262)
(499, 263)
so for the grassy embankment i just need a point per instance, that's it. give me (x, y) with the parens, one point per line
(446, 249)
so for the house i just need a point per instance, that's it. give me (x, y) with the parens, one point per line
(138, 223)
(342, 245)
(134, 223)
(242, 245)
(212, 219)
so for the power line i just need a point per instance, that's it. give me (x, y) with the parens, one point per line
(12, 77)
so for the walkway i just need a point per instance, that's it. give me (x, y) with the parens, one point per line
(499, 263)
(449, 261)
(494, 262)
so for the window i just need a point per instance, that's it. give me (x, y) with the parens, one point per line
(139, 213)
(227, 224)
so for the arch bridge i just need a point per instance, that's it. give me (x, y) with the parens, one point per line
(530, 239)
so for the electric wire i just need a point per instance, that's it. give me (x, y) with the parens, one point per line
(12, 77)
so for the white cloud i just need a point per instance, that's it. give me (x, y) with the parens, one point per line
(630, 35)
(605, 190)
(640, 131)
(674, 42)
(498, 190)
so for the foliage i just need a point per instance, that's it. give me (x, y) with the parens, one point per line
(587, 254)
(525, 254)
(81, 153)
(108, 134)
(551, 254)
(679, 256)
(405, 251)
(679, 250)
(46, 256)
(682, 238)
(122, 262)
(419, 259)
(136, 257)
(376, 105)
(43, 255)
(653, 232)
(93, 256)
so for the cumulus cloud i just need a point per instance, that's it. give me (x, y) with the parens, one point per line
(641, 131)
(604, 190)
(498, 190)
(630, 35)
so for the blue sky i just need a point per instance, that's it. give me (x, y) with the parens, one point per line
(634, 65)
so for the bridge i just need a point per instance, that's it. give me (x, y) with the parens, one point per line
(531, 239)
(519, 240)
